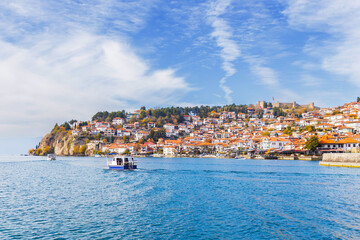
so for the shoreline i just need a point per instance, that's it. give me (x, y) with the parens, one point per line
(340, 164)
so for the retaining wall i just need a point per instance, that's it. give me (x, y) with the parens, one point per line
(341, 157)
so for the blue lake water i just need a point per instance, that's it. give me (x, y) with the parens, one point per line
(78, 198)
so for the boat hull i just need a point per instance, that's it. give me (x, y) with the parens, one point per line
(116, 167)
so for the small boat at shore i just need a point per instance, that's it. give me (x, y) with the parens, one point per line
(51, 157)
(122, 163)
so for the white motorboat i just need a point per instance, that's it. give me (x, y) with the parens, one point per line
(51, 157)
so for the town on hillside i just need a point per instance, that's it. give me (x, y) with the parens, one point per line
(278, 129)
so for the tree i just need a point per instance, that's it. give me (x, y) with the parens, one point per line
(82, 149)
(38, 151)
(310, 128)
(48, 150)
(142, 114)
(335, 112)
(288, 131)
(137, 147)
(98, 136)
(126, 139)
(66, 126)
(266, 134)
(358, 99)
(157, 134)
(56, 128)
(312, 143)
(133, 119)
(126, 152)
(76, 150)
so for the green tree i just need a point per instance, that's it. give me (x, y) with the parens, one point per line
(133, 119)
(82, 149)
(56, 128)
(76, 150)
(288, 131)
(310, 128)
(126, 139)
(66, 126)
(312, 143)
(38, 151)
(266, 134)
(48, 150)
(142, 114)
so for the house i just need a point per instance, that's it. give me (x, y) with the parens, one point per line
(76, 132)
(118, 121)
(169, 126)
(273, 143)
(151, 125)
(187, 118)
(102, 124)
(109, 132)
(268, 116)
(141, 134)
(169, 151)
(241, 115)
(195, 118)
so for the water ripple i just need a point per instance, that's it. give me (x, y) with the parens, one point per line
(76, 198)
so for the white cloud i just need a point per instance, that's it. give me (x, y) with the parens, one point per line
(266, 75)
(223, 35)
(64, 60)
(310, 80)
(73, 77)
(60, 78)
(340, 53)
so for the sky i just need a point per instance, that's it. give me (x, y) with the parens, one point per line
(68, 59)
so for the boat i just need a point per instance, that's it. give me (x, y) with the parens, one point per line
(122, 163)
(51, 157)
(97, 155)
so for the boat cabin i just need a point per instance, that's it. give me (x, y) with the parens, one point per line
(122, 162)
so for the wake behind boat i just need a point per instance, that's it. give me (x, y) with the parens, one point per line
(122, 163)
(51, 157)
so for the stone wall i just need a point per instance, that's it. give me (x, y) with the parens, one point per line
(341, 157)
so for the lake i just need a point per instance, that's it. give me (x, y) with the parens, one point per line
(173, 198)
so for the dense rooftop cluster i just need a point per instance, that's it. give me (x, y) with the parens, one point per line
(253, 129)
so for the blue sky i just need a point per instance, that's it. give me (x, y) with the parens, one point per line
(61, 60)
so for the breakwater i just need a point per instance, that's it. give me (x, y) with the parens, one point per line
(341, 160)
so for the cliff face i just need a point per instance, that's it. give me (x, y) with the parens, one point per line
(63, 143)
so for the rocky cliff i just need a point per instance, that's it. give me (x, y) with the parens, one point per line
(64, 143)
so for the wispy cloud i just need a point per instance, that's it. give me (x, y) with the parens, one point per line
(309, 80)
(266, 75)
(75, 76)
(68, 60)
(223, 35)
(20, 17)
(340, 52)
